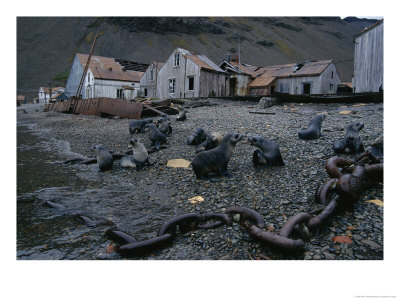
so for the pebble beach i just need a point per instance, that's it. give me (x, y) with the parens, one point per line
(276, 193)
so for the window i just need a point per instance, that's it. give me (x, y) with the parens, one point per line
(331, 87)
(119, 94)
(191, 83)
(151, 74)
(332, 75)
(176, 59)
(172, 86)
(145, 92)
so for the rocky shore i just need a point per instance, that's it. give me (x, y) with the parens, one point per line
(277, 193)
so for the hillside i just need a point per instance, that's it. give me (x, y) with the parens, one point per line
(46, 46)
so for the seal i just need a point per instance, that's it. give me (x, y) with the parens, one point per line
(157, 138)
(216, 160)
(164, 126)
(213, 140)
(127, 161)
(314, 128)
(351, 143)
(197, 137)
(267, 154)
(181, 116)
(139, 153)
(139, 125)
(104, 158)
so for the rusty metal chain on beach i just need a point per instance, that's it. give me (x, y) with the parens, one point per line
(349, 180)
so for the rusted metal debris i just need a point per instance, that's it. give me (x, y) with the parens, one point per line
(112, 107)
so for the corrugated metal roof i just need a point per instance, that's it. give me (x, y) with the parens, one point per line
(108, 68)
(268, 74)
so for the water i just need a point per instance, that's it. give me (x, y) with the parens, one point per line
(48, 233)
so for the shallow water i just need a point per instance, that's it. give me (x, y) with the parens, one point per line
(48, 233)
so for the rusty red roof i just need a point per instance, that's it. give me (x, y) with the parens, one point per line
(108, 68)
(268, 75)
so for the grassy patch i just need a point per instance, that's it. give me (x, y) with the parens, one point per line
(89, 37)
(202, 38)
(180, 43)
(283, 47)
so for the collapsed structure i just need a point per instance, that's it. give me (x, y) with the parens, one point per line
(105, 77)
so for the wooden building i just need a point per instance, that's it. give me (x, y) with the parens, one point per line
(148, 82)
(106, 77)
(309, 77)
(240, 75)
(20, 100)
(44, 94)
(368, 59)
(187, 75)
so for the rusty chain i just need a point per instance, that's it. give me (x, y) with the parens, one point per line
(349, 179)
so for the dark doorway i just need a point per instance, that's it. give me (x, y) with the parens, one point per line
(272, 89)
(145, 92)
(191, 83)
(232, 86)
(306, 88)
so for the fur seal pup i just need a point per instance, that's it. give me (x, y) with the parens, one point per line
(104, 158)
(181, 116)
(351, 143)
(216, 160)
(314, 128)
(213, 140)
(139, 125)
(157, 138)
(267, 154)
(127, 161)
(139, 153)
(164, 126)
(197, 137)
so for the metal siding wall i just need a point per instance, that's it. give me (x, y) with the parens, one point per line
(74, 78)
(368, 61)
(212, 84)
(108, 88)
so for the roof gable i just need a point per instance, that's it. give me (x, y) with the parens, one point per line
(108, 68)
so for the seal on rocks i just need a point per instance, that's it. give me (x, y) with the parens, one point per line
(267, 154)
(314, 128)
(139, 125)
(351, 143)
(181, 116)
(213, 140)
(104, 158)
(157, 138)
(127, 161)
(197, 137)
(164, 126)
(216, 160)
(139, 153)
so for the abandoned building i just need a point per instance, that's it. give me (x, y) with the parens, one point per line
(187, 75)
(44, 94)
(368, 59)
(148, 82)
(20, 100)
(309, 77)
(105, 77)
(240, 75)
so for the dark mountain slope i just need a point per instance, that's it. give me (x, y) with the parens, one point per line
(46, 46)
